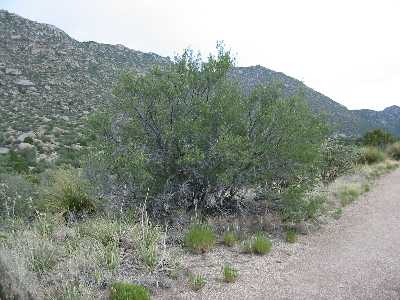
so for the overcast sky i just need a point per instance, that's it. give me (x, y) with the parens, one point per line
(348, 50)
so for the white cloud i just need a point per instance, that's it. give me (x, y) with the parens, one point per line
(348, 50)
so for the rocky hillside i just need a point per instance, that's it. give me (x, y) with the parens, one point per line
(49, 82)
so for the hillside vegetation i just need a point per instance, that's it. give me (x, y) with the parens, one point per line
(50, 83)
(178, 160)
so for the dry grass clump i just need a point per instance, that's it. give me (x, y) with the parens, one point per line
(66, 192)
(79, 260)
(107, 233)
(349, 192)
(371, 155)
(230, 239)
(393, 151)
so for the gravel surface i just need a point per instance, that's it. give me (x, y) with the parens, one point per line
(356, 257)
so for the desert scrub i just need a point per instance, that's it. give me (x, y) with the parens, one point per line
(230, 239)
(197, 282)
(102, 229)
(17, 196)
(297, 206)
(338, 158)
(112, 256)
(349, 192)
(393, 151)
(257, 244)
(128, 291)
(67, 192)
(291, 236)
(337, 213)
(199, 238)
(365, 187)
(44, 256)
(371, 155)
(230, 274)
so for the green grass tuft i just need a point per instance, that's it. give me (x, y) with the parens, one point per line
(337, 213)
(230, 239)
(197, 282)
(128, 291)
(291, 236)
(230, 273)
(200, 238)
(257, 244)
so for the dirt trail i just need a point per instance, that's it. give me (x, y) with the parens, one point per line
(357, 257)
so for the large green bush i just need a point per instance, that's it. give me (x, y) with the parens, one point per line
(188, 137)
(378, 138)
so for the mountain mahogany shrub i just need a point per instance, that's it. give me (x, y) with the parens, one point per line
(187, 137)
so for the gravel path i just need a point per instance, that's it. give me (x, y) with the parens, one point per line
(356, 257)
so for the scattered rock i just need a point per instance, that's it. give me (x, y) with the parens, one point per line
(24, 82)
(25, 146)
(15, 72)
(25, 135)
(4, 150)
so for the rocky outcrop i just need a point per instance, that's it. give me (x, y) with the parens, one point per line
(50, 82)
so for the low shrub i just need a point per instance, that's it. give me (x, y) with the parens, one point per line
(365, 187)
(230, 273)
(112, 256)
(67, 192)
(128, 291)
(199, 238)
(197, 282)
(17, 196)
(393, 151)
(291, 236)
(230, 239)
(337, 213)
(338, 158)
(299, 206)
(349, 193)
(44, 256)
(106, 231)
(371, 155)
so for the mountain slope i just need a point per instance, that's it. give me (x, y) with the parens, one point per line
(49, 82)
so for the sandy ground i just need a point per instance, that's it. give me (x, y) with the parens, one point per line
(356, 257)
